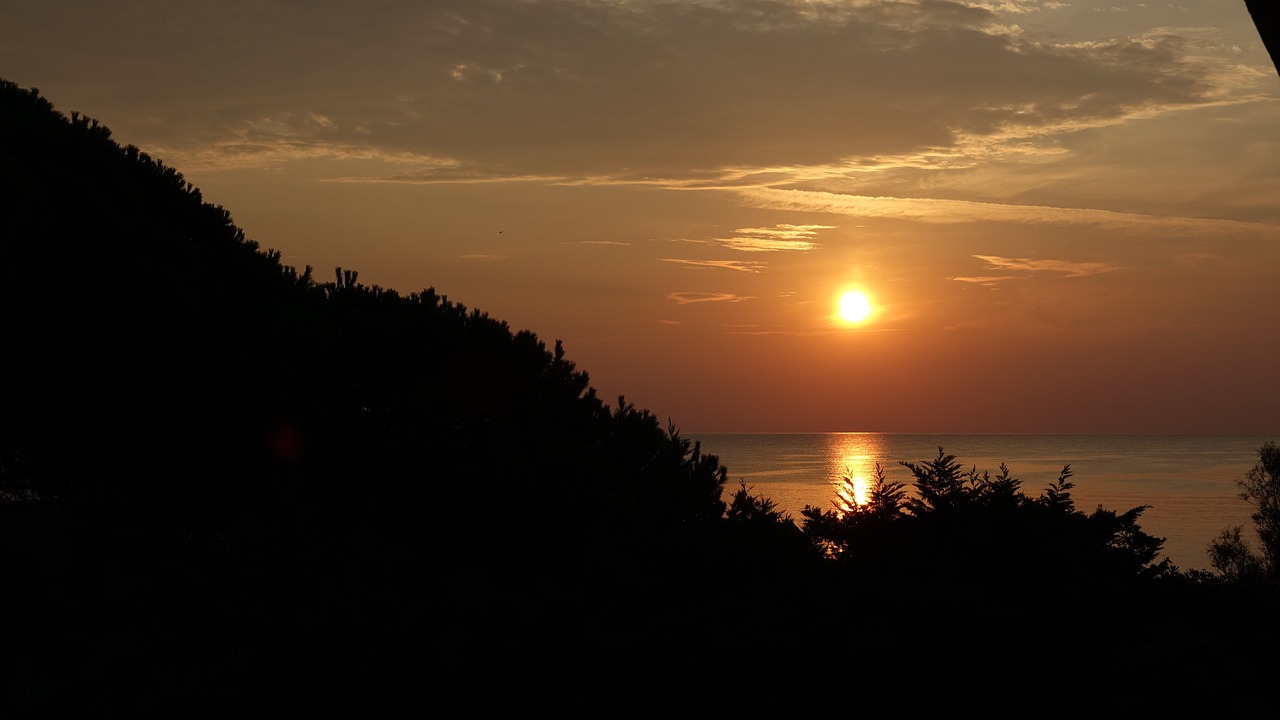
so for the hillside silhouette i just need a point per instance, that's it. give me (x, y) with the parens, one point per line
(202, 412)
(227, 483)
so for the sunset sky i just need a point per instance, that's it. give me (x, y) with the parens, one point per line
(1065, 215)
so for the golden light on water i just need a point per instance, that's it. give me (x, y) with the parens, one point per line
(851, 463)
(854, 489)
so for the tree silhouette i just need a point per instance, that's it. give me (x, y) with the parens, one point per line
(317, 471)
(1229, 553)
(1261, 489)
(977, 526)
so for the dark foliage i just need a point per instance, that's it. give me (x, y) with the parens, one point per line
(326, 473)
(159, 354)
(226, 484)
(1230, 553)
(965, 528)
(1261, 489)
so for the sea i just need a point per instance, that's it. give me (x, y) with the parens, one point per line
(1189, 482)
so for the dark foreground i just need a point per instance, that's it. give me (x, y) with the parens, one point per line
(228, 486)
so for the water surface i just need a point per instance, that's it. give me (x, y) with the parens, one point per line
(1188, 480)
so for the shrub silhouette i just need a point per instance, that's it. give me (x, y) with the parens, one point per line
(1229, 553)
(966, 526)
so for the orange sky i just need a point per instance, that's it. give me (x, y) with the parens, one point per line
(1067, 214)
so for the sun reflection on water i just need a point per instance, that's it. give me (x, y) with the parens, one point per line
(851, 466)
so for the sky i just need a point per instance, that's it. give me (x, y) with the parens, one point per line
(1065, 215)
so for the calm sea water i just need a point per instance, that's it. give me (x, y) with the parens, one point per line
(1188, 480)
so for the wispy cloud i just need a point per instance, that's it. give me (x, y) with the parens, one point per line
(773, 239)
(685, 298)
(1030, 267)
(939, 210)
(447, 175)
(253, 151)
(1070, 269)
(748, 266)
(984, 280)
(1017, 7)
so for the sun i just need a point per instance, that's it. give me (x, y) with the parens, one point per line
(855, 307)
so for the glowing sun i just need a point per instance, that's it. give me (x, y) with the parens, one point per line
(854, 307)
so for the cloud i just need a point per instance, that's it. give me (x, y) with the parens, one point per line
(773, 239)
(685, 298)
(1017, 7)
(942, 210)
(274, 142)
(1028, 265)
(591, 88)
(986, 281)
(447, 174)
(1070, 269)
(739, 265)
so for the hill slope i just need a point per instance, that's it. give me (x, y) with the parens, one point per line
(225, 484)
(308, 467)
(155, 336)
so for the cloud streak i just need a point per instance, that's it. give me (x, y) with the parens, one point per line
(783, 237)
(1031, 267)
(746, 266)
(1070, 269)
(984, 280)
(686, 298)
(942, 210)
